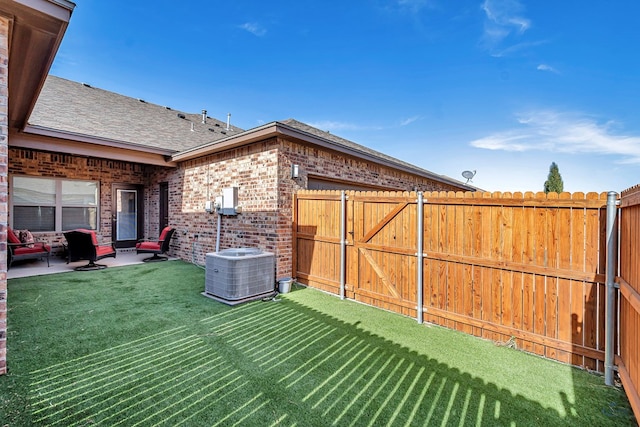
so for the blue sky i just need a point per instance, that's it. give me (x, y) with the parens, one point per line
(502, 87)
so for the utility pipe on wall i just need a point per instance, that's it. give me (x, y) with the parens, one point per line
(420, 254)
(218, 232)
(609, 313)
(343, 242)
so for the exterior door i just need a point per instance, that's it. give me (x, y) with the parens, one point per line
(127, 215)
(164, 206)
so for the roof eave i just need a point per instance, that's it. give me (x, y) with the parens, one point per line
(83, 145)
(60, 9)
(36, 31)
(112, 143)
(247, 137)
(278, 128)
(293, 132)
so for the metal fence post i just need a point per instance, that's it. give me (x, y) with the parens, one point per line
(610, 286)
(420, 254)
(343, 242)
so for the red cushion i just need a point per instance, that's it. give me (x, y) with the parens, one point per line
(33, 250)
(163, 235)
(11, 236)
(150, 246)
(94, 239)
(104, 250)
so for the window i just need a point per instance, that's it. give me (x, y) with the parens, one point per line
(43, 204)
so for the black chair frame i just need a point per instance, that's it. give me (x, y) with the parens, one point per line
(82, 245)
(157, 253)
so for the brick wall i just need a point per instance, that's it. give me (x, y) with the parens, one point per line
(335, 166)
(261, 172)
(253, 169)
(324, 163)
(56, 165)
(4, 141)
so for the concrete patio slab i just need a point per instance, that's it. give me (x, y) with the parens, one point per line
(57, 264)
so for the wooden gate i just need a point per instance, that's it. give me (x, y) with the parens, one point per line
(381, 256)
(523, 269)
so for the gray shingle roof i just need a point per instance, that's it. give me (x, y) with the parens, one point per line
(77, 108)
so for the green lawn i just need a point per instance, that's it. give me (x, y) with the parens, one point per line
(139, 345)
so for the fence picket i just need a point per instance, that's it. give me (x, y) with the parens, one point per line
(629, 279)
(497, 265)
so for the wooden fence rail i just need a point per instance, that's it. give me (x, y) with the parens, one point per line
(524, 269)
(628, 360)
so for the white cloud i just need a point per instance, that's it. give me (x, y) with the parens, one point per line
(510, 50)
(553, 131)
(549, 68)
(502, 19)
(407, 121)
(505, 14)
(254, 28)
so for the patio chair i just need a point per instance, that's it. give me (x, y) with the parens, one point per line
(19, 251)
(83, 245)
(156, 247)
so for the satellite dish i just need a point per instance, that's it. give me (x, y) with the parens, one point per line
(468, 175)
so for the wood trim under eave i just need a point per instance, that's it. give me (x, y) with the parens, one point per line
(37, 31)
(57, 145)
(58, 9)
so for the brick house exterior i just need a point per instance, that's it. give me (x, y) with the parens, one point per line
(28, 162)
(261, 170)
(30, 33)
(195, 157)
(61, 130)
(262, 173)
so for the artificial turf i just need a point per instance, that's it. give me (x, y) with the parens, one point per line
(139, 345)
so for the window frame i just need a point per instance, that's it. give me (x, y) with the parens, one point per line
(58, 204)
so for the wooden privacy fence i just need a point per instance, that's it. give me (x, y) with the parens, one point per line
(628, 360)
(520, 269)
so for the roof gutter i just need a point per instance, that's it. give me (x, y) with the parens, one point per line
(276, 128)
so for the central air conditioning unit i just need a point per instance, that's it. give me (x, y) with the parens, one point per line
(234, 276)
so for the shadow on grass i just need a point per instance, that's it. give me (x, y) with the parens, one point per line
(272, 363)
